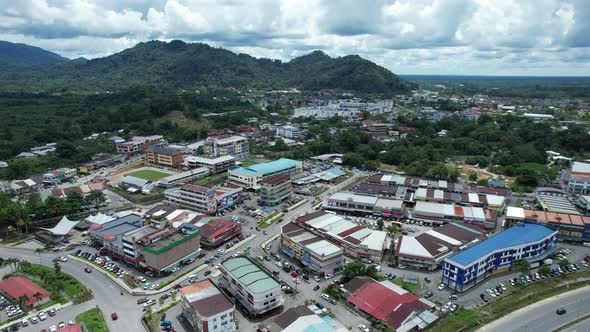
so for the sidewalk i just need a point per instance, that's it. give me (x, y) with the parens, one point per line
(121, 283)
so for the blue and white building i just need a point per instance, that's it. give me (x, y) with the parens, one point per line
(527, 241)
(249, 177)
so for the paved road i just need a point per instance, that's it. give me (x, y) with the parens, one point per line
(541, 316)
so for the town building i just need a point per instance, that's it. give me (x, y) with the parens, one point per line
(206, 308)
(249, 177)
(15, 287)
(184, 177)
(427, 250)
(329, 176)
(169, 248)
(554, 200)
(578, 178)
(303, 318)
(138, 144)
(530, 242)
(204, 199)
(275, 190)
(315, 254)
(134, 184)
(215, 165)
(570, 227)
(101, 160)
(288, 131)
(58, 176)
(439, 213)
(583, 203)
(355, 240)
(110, 235)
(257, 291)
(347, 202)
(217, 231)
(389, 303)
(219, 146)
(161, 155)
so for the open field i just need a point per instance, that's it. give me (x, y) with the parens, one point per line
(148, 174)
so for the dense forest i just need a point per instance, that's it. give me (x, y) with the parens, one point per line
(504, 86)
(180, 65)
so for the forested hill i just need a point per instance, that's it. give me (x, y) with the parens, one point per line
(180, 65)
(25, 55)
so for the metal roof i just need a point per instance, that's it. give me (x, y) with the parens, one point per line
(249, 274)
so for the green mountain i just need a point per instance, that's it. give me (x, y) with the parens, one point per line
(180, 65)
(25, 55)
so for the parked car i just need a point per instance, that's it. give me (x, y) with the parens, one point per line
(560, 311)
(316, 288)
(363, 328)
(114, 316)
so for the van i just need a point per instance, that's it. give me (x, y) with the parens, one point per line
(453, 296)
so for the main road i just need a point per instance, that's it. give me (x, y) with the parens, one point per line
(541, 316)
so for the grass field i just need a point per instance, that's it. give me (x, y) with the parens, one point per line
(408, 286)
(92, 320)
(148, 174)
(210, 178)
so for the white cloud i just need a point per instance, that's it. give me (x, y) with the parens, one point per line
(493, 37)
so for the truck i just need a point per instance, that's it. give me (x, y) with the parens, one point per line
(548, 261)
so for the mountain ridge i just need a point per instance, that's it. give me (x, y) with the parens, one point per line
(177, 64)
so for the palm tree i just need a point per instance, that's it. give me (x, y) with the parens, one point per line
(24, 266)
(22, 300)
(37, 296)
(19, 224)
(13, 262)
(57, 267)
(39, 251)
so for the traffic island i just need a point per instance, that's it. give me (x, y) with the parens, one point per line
(92, 320)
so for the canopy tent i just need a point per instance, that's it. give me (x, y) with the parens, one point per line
(63, 227)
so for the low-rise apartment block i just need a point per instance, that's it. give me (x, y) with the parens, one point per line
(356, 241)
(215, 165)
(317, 255)
(578, 178)
(219, 146)
(275, 190)
(169, 248)
(161, 155)
(206, 308)
(138, 144)
(255, 289)
(526, 241)
(250, 177)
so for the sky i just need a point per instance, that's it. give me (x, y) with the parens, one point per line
(435, 37)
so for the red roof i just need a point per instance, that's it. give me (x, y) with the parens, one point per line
(214, 228)
(71, 328)
(385, 303)
(19, 286)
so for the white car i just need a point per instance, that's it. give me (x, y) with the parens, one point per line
(316, 278)
(363, 328)
(142, 279)
(279, 264)
(442, 286)
(326, 297)
(149, 303)
(42, 316)
(296, 280)
(329, 275)
(221, 251)
(63, 258)
(52, 328)
(34, 320)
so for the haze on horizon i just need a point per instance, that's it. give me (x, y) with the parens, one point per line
(438, 37)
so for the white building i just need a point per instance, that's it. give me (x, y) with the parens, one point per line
(578, 178)
(288, 131)
(206, 308)
(236, 146)
(255, 289)
(215, 165)
(249, 177)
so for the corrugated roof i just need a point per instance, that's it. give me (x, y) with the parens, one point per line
(249, 274)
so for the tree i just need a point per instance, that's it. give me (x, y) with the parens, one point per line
(24, 266)
(524, 267)
(356, 268)
(380, 224)
(39, 251)
(56, 267)
(544, 270)
(13, 263)
(37, 296)
(96, 198)
(563, 263)
(74, 201)
(66, 149)
(280, 145)
(22, 300)
(472, 176)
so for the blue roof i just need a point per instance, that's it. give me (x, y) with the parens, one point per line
(336, 171)
(267, 168)
(513, 236)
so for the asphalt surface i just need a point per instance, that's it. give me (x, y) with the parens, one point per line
(583, 326)
(542, 316)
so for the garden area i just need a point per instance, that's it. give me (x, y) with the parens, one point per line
(138, 198)
(211, 178)
(410, 287)
(62, 286)
(148, 174)
(92, 320)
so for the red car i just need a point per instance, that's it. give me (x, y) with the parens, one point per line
(114, 316)
(177, 286)
(294, 274)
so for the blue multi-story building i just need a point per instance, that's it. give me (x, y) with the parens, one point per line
(527, 241)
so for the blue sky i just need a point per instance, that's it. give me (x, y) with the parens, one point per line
(460, 37)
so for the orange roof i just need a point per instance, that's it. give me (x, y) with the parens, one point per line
(192, 288)
(556, 218)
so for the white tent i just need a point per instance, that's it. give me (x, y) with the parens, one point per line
(99, 218)
(63, 227)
